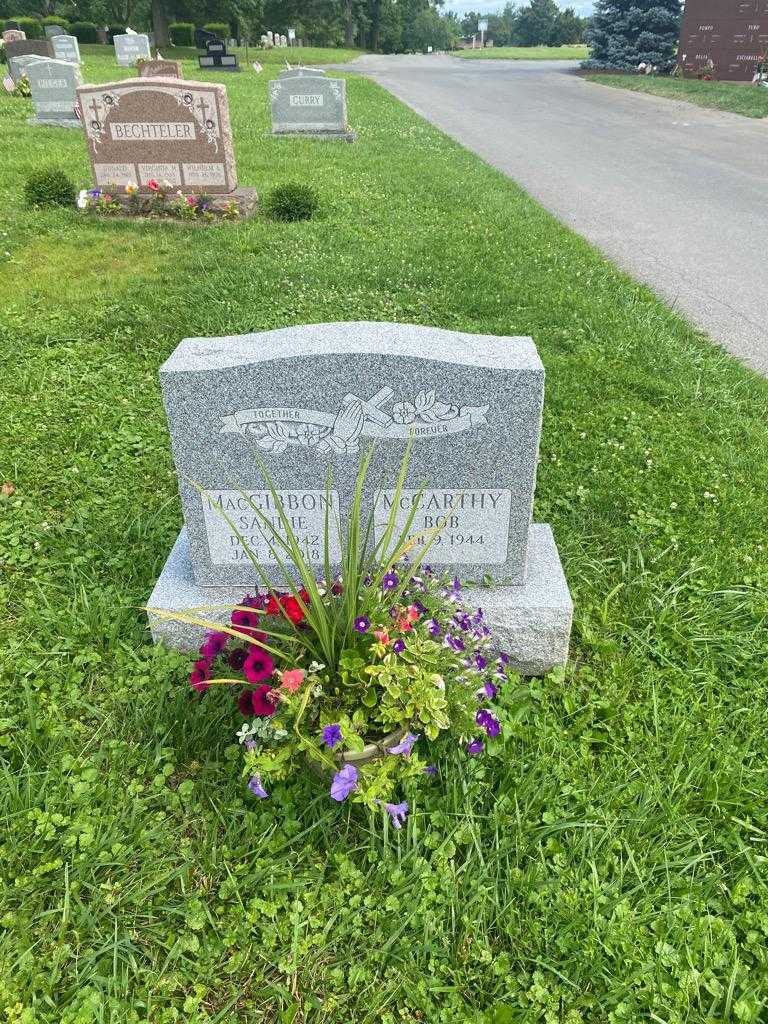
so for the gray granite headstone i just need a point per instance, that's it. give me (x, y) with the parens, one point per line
(51, 31)
(54, 96)
(303, 399)
(130, 48)
(19, 66)
(304, 101)
(66, 48)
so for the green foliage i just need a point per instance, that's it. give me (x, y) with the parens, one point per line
(49, 186)
(608, 867)
(32, 27)
(539, 23)
(622, 33)
(293, 200)
(53, 19)
(22, 88)
(115, 30)
(219, 28)
(85, 31)
(182, 33)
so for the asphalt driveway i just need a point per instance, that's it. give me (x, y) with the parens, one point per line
(675, 194)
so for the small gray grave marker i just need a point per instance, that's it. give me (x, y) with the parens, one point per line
(54, 92)
(304, 101)
(130, 48)
(66, 48)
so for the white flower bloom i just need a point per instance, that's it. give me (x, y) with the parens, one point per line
(82, 199)
(243, 732)
(315, 666)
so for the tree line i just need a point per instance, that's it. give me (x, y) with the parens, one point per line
(390, 26)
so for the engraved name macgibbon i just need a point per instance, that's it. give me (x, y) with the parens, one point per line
(425, 416)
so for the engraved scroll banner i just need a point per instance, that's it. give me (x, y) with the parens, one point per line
(275, 429)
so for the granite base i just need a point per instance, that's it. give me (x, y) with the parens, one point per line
(532, 622)
(287, 133)
(246, 200)
(57, 122)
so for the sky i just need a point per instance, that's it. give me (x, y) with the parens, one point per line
(582, 7)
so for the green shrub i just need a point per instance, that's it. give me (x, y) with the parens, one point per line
(115, 30)
(49, 187)
(85, 31)
(32, 27)
(291, 201)
(219, 28)
(54, 19)
(181, 33)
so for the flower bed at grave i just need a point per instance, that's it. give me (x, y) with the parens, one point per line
(162, 201)
(344, 677)
(415, 663)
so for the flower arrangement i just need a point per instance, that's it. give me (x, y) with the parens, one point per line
(162, 201)
(357, 675)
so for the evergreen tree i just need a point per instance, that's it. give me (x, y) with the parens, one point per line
(623, 33)
(536, 22)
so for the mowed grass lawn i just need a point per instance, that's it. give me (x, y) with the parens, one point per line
(736, 97)
(294, 55)
(611, 866)
(575, 52)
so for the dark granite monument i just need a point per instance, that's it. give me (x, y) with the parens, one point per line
(723, 39)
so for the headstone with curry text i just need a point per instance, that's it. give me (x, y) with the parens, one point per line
(304, 101)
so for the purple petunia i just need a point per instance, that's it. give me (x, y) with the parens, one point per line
(256, 788)
(398, 646)
(454, 642)
(344, 782)
(480, 661)
(486, 720)
(434, 627)
(362, 623)
(489, 689)
(213, 645)
(429, 769)
(390, 580)
(475, 747)
(397, 812)
(332, 735)
(405, 745)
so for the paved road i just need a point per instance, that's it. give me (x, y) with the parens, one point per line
(675, 194)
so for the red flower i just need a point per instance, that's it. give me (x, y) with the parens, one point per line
(292, 609)
(272, 606)
(152, 185)
(256, 702)
(258, 666)
(199, 676)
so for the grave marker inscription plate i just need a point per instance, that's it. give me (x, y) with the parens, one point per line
(304, 101)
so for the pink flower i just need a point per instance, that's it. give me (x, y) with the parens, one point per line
(413, 613)
(191, 200)
(258, 666)
(199, 676)
(152, 185)
(404, 625)
(213, 645)
(259, 702)
(381, 635)
(292, 679)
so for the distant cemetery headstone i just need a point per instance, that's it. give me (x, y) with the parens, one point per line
(305, 102)
(51, 31)
(143, 130)
(54, 92)
(18, 66)
(130, 48)
(13, 35)
(159, 68)
(215, 55)
(306, 398)
(66, 48)
(27, 48)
